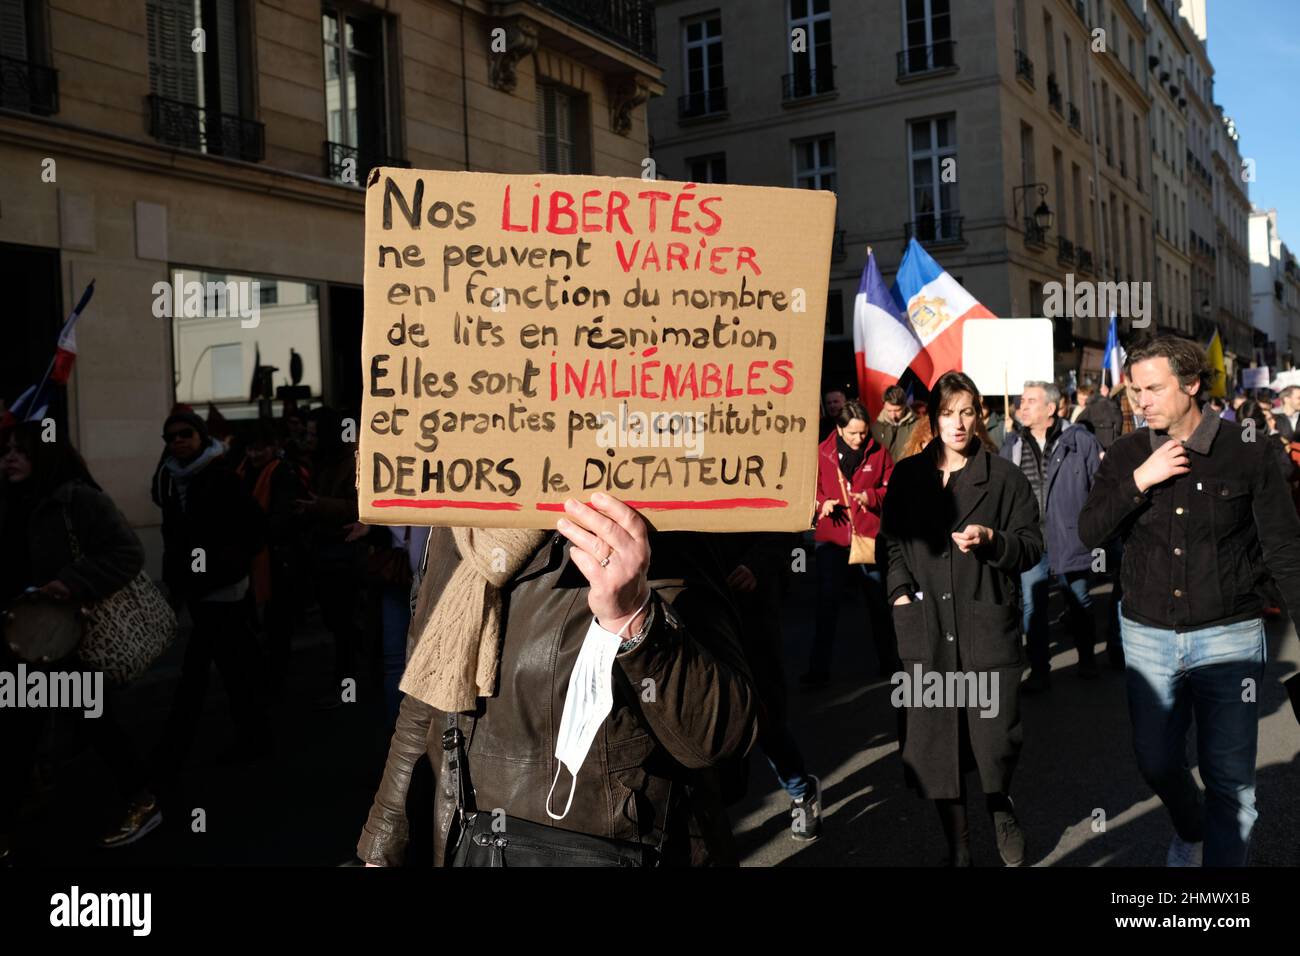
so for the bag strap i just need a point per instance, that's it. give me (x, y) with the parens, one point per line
(72, 535)
(844, 490)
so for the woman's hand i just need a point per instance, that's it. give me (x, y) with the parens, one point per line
(829, 505)
(972, 536)
(56, 589)
(611, 548)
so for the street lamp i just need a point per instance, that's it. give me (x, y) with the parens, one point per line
(1041, 220)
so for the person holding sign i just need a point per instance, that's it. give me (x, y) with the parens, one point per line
(574, 691)
(960, 525)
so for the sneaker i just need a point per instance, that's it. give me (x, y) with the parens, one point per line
(1036, 682)
(806, 814)
(1182, 853)
(1011, 839)
(142, 818)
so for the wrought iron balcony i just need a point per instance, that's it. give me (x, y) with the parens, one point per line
(797, 86)
(1024, 67)
(192, 127)
(363, 159)
(1035, 235)
(942, 227)
(28, 87)
(1064, 251)
(1076, 119)
(629, 23)
(918, 60)
(702, 103)
(1085, 259)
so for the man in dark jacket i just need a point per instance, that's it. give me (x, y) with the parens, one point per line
(211, 529)
(1102, 416)
(1288, 414)
(894, 425)
(1205, 519)
(683, 703)
(1060, 462)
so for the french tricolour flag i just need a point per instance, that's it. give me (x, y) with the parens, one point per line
(66, 352)
(884, 344)
(1113, 359)
(937, 309)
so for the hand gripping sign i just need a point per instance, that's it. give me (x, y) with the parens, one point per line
(533, 338)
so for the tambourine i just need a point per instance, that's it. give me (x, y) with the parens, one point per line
(40, 630)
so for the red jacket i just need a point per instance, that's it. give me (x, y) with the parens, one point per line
(871, 477)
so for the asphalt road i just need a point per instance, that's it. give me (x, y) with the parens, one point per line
(306, 805)
(1077, 790)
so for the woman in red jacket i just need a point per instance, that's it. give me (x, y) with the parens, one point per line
(852, 474)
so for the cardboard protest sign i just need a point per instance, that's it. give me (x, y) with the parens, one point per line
(533, 338)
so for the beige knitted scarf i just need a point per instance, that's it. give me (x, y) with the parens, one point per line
(458, 646)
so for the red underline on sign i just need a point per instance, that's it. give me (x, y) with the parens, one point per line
(445, 503)
(718, 504)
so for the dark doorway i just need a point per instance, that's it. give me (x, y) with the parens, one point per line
(29, 322)
(346, 309)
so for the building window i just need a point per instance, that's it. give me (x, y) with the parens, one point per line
(706, 90)
(1058, 179)
(834, 312)
(227, 363)
(814, 163)
(927, 36)
(1076, 191)
(201, 100)
(1027, 167)
(561, 130)
(26, 81)
(707, 169)
(933, 201)
(356, 91)
(811, 69)
(207, 367)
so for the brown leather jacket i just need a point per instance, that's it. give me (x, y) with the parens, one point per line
(683, 702)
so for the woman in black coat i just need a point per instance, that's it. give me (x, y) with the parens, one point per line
(48, 499)
(960, 524)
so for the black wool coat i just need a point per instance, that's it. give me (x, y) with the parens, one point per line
(968, 616)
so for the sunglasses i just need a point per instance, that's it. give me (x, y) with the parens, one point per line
(184, 433)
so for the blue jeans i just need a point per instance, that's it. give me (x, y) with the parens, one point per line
(786, 760)
(1172, 677)
(1035, 585)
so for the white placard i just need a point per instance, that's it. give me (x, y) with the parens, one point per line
(1255, 377)
(1003, 354)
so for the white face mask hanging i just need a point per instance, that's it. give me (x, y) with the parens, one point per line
(587, 702)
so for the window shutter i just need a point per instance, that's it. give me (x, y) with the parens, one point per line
(227, 29)
(173, 71)
(13, 29)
